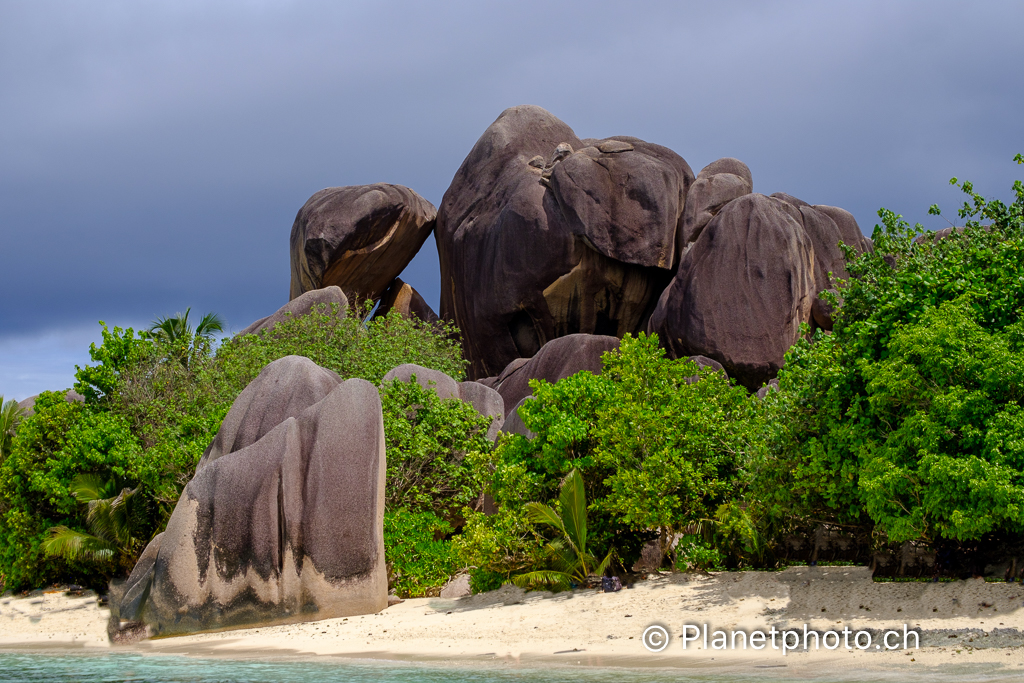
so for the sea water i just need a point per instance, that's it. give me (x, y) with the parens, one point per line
(136, 668)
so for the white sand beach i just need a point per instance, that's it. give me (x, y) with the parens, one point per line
(963, 623)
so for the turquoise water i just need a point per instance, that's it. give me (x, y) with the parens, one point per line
(134, 668)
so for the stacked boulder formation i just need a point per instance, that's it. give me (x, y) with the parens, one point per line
(543, 235)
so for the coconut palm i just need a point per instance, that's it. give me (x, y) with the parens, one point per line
(176, 327)
(10, 415)
(114, 517)
(569, 555)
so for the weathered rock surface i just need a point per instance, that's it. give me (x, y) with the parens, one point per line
(558, 359)
(625, 197)
(286, 529)
(483, 398)
(716, 185)
(825, 237)
(284, 389)
(541, 235)
(401, 297)
(741, 291)
(359, 238)
(331, 298)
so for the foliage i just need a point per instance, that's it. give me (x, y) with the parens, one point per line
(693, 553)
(418, 562)
(116, 520)
(155, 400)
(655, 442)
(177, 327)
(428, 439)
(59, 442)
(568, 553)
(340, 341)
(907, 418)
(11, 415)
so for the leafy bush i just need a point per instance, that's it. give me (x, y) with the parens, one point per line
(428, 441)
(656, 448)
(693, 553)
(418, 562)
(154, 401)
(906, 420)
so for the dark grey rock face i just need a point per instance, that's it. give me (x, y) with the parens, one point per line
(558, 359)
(541, 235)
(332, 299)
(716, 185)
(359, 238)
(288, 528)
(741, 291)
(627, 201)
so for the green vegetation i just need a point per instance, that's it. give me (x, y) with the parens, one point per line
(568, 552)
(153, 402)
(906, 421)
(904, 426)
(11, 415)
(656, 450)
(115, 518)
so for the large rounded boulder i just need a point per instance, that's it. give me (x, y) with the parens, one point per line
(287, 528)
(741, 291)
(541, 235)
(359, 238)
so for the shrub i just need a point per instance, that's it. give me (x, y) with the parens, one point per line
(906, 420)
(657, 450)
(428, 441)
(418, 562)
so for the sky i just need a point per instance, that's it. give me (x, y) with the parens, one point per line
(153, 155)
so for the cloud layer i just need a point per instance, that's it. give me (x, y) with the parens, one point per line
(153, 155)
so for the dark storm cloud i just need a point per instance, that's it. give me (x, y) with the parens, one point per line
(153, 155)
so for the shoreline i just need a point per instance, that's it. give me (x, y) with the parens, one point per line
(965, 623)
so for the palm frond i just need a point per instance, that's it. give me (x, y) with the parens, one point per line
(539, 513)
(89, 487)
(71, 544)
(572, 501)
(543, 577)
(210, 323)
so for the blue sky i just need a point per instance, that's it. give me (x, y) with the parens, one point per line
(153, 155)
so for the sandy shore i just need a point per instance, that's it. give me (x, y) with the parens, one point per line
(969, 624)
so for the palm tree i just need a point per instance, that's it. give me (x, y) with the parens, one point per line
(10, 415)
(572, 560)
(176, 327)
(114, 516)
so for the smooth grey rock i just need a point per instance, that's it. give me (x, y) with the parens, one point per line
(558, 359)
(716, 185)
(287, 529)
(443, 385)
(285, 388)
(485, 400)
(28, 405)
(514, 423)
(741, 291)
(332, 299)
